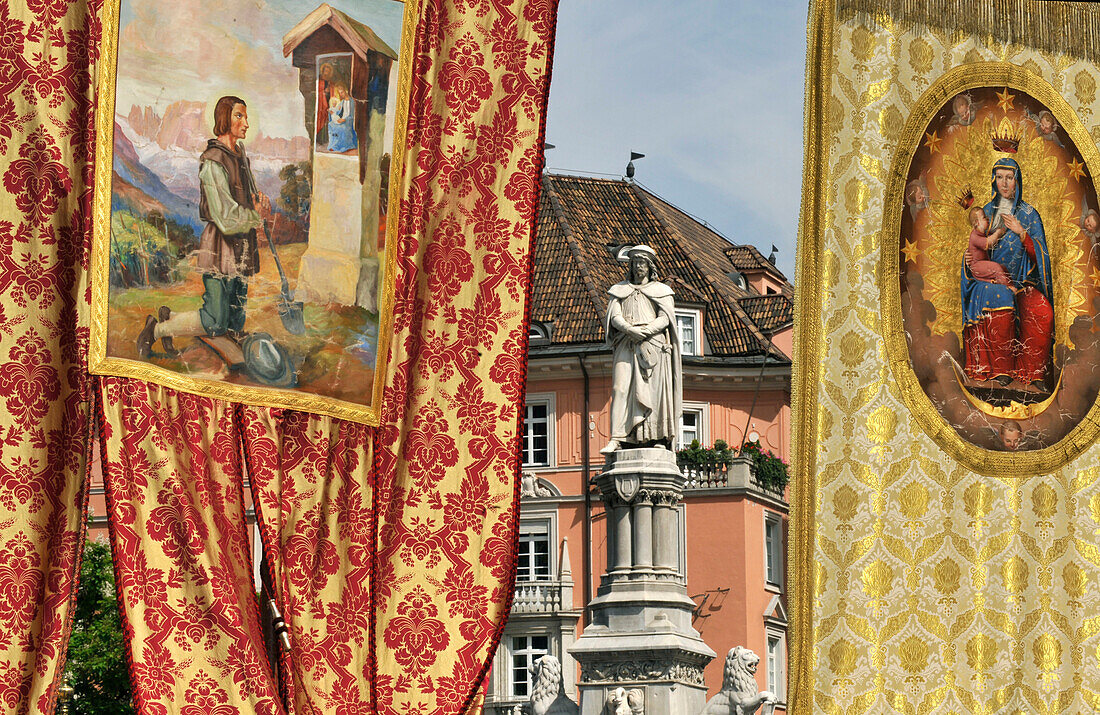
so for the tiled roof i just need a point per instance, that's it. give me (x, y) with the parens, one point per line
(581, 223)
(747, 259)
(769, 311)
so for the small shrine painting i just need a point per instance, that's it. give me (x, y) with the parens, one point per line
(241, 250)
(335, 124)
(999, 270)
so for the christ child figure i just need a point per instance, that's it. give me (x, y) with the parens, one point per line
(981, 242)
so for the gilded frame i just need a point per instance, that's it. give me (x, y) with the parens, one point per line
(98, 360)
(977, 459)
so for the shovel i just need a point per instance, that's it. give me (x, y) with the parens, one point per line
(290, 310)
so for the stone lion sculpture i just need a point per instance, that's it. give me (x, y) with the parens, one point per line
(548, 693)
(621, 701)
(739, 694)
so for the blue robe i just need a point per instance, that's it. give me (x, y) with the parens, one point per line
(979, 297)
(341, 135)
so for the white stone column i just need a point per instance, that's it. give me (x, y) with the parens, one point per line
(665, 535)
(623, 555)
(643, 532)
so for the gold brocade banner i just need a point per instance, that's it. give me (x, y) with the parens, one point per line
(947, 500)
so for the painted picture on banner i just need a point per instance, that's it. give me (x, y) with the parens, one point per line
(999, 270)
(241, 252)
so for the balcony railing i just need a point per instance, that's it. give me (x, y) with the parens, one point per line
(714, 474)
(542, 597)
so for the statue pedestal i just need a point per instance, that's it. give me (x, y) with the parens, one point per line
(641, 637)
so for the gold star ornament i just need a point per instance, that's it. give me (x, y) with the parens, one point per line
(911, 251)
(1004, 100)
(932, 141)
(1076, 169)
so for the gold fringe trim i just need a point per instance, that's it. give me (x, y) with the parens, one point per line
(1070, 28)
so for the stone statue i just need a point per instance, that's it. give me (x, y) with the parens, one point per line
(548, 694)
(739, 694)
(646, 390)
(621, 701)
(529, 486)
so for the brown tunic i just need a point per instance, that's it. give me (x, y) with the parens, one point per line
(234, 254)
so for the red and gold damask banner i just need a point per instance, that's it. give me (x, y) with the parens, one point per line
(47, 53)
(391, 549)
(446, 488)
(183, 563)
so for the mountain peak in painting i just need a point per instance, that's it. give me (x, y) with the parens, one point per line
(183, 126)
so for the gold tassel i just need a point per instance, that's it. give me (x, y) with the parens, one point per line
(1068, 28)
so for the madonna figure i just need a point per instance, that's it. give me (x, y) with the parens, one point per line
(1008, 330)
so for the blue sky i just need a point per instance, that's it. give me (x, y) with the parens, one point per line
(711, 91)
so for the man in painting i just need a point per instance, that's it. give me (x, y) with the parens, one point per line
(234, 210)
(646, 393)
(326, 79)
(1009, 335)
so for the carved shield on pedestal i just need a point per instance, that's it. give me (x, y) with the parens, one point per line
(626, 485)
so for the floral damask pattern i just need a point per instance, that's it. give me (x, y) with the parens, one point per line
(445, 487)
(311, 483)
(46, 66)
(182, 558)
(380, 532)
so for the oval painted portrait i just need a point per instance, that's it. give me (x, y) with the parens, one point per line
(997, 224)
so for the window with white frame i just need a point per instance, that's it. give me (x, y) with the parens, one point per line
(773, 549)
(776, 659)
(687, 324)
(525, 652)
(538, 431)
(693, 423)
(533, 559)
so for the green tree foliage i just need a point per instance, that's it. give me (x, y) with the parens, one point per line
(97, 648)
(294, 196)
(140, 253)
(180, 235)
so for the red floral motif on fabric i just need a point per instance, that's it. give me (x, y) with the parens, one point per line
(416, 636)
(29, 382)
(38, 178)
(43, 383)
(15, 683)
(465, 82)
(430, 448)
(196, 645)
(447, 261)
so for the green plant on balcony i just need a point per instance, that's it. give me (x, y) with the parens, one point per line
(768, 470)
(697, 458)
